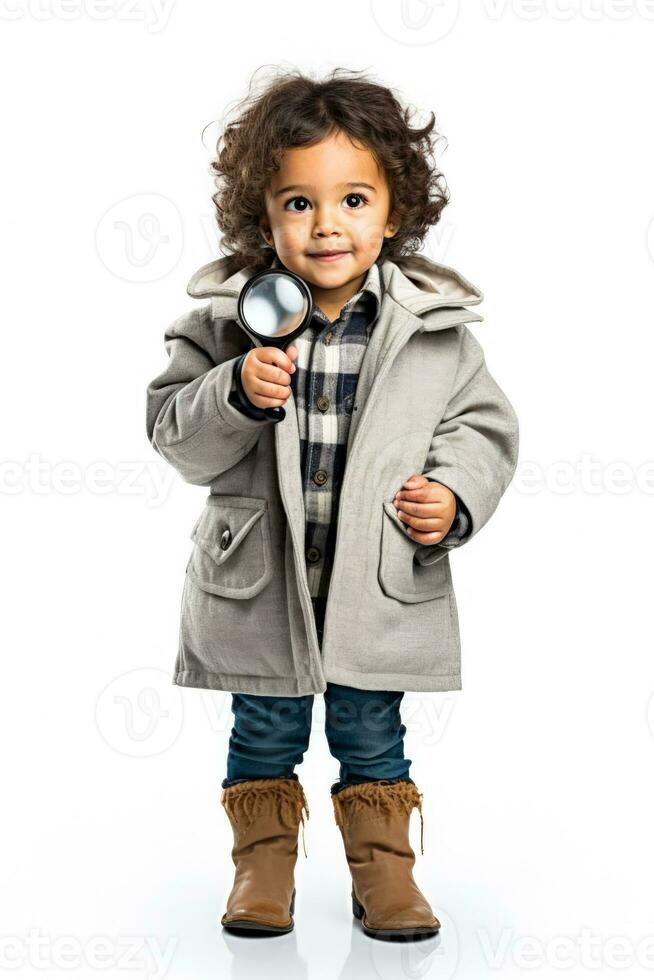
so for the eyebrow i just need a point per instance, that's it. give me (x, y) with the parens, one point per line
(299, 187)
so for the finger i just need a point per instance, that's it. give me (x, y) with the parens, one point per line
(279, 393)
(422, 523)
(415, 481)
(422, 538)
(266, 401)
(271, 373)
(418, 509)
(274, 355)
(424, 493)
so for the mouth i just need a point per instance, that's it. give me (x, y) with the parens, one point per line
(327, 256)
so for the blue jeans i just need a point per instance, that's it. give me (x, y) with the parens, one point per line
(364, 732)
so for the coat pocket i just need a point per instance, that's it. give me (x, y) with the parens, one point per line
(232, 552)
(401, 575)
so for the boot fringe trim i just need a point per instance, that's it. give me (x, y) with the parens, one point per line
(244, 801)
(378, 796)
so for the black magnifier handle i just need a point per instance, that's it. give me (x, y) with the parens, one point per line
(277, 413)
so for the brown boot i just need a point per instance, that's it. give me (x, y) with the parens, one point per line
(374, 821)
(265, 815)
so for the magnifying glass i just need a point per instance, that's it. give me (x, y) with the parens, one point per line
(274, 307)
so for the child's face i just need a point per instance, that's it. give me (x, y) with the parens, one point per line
(328, 197)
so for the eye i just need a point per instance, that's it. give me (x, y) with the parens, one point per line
(361, 197)
(354, 197)
(290, 201)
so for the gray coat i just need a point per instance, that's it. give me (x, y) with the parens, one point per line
(425, 403)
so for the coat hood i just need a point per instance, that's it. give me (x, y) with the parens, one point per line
(414, 281)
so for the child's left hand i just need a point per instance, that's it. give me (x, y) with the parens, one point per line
(427, 507)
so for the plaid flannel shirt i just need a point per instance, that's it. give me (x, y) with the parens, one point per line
(324, 386)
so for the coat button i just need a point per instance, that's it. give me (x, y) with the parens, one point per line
(313, 554)
(348, 402)
(225, 539)
(320, 477)
(323, 403)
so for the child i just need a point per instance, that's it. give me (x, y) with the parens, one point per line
(320, 563)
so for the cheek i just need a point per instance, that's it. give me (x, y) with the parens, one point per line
(370, 234)
(291, 237)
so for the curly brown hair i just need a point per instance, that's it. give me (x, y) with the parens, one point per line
(295, 110)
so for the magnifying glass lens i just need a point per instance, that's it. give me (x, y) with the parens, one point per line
(275, 305)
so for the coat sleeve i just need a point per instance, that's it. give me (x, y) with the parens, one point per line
(474, 448)
(190, 419)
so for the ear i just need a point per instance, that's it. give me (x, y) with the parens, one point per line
(392, 225)
(266, 233)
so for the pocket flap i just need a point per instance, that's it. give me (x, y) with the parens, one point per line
(232, 546)
(224, 523)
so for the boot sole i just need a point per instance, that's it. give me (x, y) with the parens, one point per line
(251, 925)
(408, 932)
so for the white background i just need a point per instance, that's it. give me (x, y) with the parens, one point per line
(537, 775)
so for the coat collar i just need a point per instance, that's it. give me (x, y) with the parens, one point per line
(415, 282)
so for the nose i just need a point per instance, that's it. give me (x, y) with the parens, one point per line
(326, 221)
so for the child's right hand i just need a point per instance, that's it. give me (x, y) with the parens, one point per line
(266, 375)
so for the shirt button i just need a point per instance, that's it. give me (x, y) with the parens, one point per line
(320, 477)
(313, 554)
(328, 336)
(323, 403)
